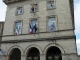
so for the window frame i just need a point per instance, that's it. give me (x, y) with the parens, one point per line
(31, 19)
(52, 16)
(17, 10)
(54, 1)
(37, 6)
(15, 26)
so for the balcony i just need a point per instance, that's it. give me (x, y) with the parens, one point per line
(11, 1)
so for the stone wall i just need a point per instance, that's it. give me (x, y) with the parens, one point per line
(61, 12)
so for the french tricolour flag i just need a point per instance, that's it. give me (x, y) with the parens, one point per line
(31, 30)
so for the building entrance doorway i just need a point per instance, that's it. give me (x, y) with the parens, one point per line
(15, 54)
(53, 53)
(33, 54)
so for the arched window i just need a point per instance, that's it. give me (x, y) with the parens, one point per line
(53, 53)
(15, 54)
(33, 54)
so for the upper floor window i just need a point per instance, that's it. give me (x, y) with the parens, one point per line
(34, 7)
(33, 26)
(51, 24)
(20, 10)
(50, 4)
(18, 27)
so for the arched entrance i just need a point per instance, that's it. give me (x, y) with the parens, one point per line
(15, 54)
(53, 53)
(33, 54)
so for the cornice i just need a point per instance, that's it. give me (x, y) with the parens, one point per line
(40, 39)
(11, 1)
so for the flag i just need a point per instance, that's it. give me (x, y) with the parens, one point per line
(31, 30)
(35, 28)
(36, 7)
(52, 27)
(51, 5)
(32, 8)
(16, 32)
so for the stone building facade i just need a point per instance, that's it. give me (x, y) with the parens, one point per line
(39, 30)
(1, 32)
(1, 29)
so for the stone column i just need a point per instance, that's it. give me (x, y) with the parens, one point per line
(23, 57)
(42, 57)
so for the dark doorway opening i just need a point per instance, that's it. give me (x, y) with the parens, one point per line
(15, 54)
(54, 53)
(33, 54)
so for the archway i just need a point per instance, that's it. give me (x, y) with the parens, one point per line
(15, 54)
(33, 54)
(53, 53)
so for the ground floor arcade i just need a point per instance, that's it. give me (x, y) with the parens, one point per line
(53, 53)
(40, 50)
